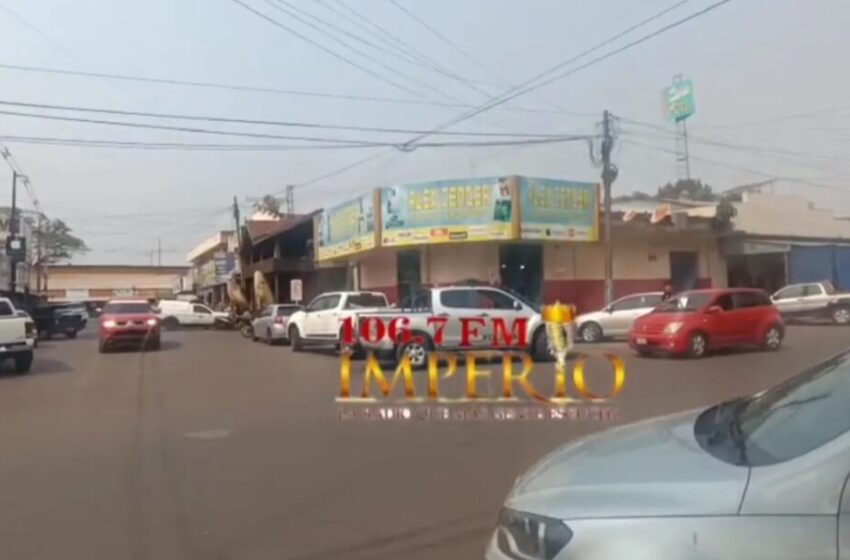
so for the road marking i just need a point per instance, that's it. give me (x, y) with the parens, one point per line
(209, 434)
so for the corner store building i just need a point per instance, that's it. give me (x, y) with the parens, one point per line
(447, 232)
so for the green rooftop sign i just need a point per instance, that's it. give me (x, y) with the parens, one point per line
(680, 100)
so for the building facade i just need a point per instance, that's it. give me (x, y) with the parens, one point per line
(213, 262)
(538, 237)
(74, 282)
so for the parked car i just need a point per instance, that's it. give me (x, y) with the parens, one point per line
(128, 322)
(616, 319)
(813, 299)
(272, 322)
(175, 313)
(17, 336)
(697, 321)
(454, 303)
(757, 477)
(320, 323)
(52, 319)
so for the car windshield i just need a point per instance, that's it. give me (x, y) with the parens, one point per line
(686, 301)
(359, 301)
(126, 308)
(784, 422)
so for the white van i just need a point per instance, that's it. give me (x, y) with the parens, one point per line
(175, 313)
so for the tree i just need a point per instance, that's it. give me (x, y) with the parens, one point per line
(269, 205)
(54, 243)
(689, 189)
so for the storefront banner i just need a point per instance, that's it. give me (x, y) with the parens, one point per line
(479, 209)
(346, 229)
(558, 210)
(224, 265)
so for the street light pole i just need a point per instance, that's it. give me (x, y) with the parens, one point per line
(609, 173)
(13, 231)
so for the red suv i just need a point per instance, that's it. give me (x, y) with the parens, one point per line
(128, 322)
(696, 321)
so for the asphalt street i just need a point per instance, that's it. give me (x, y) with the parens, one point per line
(220, 448)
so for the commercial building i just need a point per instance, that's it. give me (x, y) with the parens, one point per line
(538, 237)
(282, 251)
(780, 239)
(77, 282)
(212, 263)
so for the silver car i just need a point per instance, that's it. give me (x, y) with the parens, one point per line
(272, 322)
(761, 477)
(615, 320)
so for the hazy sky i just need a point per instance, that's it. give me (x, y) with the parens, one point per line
(752, 61)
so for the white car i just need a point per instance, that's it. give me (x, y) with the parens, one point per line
(615, 320)
(175, 313)
(272, 322)
(320, 323)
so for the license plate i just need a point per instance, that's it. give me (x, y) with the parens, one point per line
(641, 341)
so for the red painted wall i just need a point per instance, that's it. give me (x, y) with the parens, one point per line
(588, 295)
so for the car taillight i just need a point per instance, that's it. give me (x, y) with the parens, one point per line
(280, 320)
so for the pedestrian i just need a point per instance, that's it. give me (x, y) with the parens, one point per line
(668, 291)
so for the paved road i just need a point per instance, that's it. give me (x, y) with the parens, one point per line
(217, 448)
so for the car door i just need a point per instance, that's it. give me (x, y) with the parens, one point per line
(813, 298)
(747, 313)
(454, 304)
(202, 315)
(324, 321)
(723, 326)
(261, 323)
(620, 315)
(789, 299)
(497, 305)
(312, 317)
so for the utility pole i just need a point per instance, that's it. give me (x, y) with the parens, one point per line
(236, 221)
(13, 231)
(290, 200)
(609, 174)
(159, 251)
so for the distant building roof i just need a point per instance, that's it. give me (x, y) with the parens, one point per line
(261, 230)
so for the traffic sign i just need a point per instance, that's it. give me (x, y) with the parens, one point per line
(296, 290)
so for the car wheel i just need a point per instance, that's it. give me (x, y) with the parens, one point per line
(591, 332)
(170, 323)
(644, 353)
(71, 334)
(355, 351)
(269, 339)
(416, 350)
(295, 338)
(101, 347)
(697, 345)
(540, 346)
(23, 362)
(772, 338)
(841, 315)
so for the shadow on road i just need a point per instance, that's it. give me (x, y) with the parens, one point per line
(165, 346)
(40, 366)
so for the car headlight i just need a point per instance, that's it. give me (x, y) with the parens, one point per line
(526, 536)
(673, 328)
(151, 322)
(110, 324)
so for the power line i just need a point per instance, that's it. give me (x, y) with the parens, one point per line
(517, 90)
(279, 5)
(265, 90)
(801, 181)
(294, 124)
(530, 86)
(329, 51)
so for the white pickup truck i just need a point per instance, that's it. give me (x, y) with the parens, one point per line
(321, 322)
(443, 308)
(17, 336)
(813, 299)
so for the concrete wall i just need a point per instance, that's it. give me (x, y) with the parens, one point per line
(786, 215)
(104, 279)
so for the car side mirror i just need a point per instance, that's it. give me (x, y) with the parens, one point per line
(517, 306)
(714, 310)
(608, 309)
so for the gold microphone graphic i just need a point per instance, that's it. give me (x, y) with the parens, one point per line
(558, 319)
